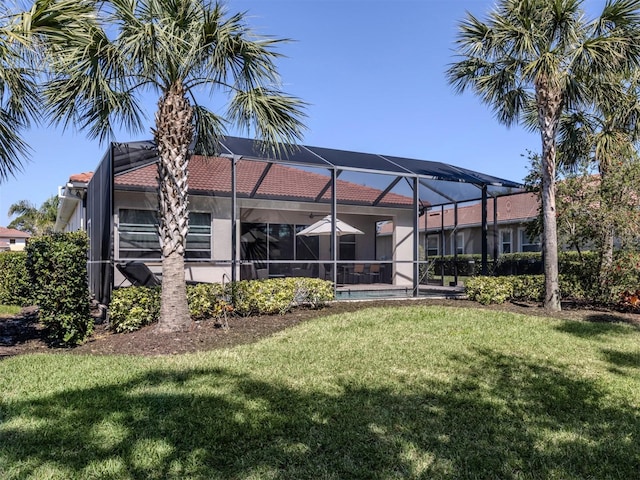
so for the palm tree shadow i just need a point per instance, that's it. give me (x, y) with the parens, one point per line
(214, 423)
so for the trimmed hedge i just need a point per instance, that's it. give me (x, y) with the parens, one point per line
(15, 285)
(57, 266)
(134, 307)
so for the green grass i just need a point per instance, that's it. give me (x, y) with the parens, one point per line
(406, 392)
(9, 310)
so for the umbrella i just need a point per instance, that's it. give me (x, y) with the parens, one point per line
(323, 227)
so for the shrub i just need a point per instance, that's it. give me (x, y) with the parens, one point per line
(207, 300)
(57, 266)
(134, 307)
(519, 263)
(486, 290)
(465, 264)
(15, 287)
(527, 288)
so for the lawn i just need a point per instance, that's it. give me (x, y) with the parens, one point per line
(420, 392)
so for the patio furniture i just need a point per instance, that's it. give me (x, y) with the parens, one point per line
(374, 273)
(359, 273)
(139, 275)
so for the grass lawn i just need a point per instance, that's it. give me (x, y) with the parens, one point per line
(418, 392)
(9, 310)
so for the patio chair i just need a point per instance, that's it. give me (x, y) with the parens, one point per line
(139, 275)
(359, 274)
(374, 273)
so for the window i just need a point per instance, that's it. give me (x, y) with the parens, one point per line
(347, 247)
(505, 241)
(433, 243)
(138, 235)
(12, 241)
(276, 241)
(458, 246)
(527, 243)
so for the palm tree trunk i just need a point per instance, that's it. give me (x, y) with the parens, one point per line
(549, 101)
(173, 134)
(606, 235)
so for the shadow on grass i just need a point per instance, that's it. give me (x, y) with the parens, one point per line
(502, 417)
(597, 325)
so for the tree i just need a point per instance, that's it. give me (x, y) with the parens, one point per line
(605, 138)
(531, 61)
(20, 101)
(175, 49)
(36, 221)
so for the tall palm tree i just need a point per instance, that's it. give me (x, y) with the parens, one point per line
(32, 219)
(536, 59)
(175, 49)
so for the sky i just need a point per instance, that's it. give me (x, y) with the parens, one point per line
(373, 74)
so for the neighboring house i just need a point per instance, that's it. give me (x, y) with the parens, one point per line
(12, 239)
(439, 234)
(268, 201)
(72, 203)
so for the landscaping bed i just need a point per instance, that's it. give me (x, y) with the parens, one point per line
(22, 334)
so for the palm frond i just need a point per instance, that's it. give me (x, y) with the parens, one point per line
(273, 116)
(209, 128)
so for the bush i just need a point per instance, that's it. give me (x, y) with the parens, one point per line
(208, 300)
(57, 266)
(527, 288)
(519, 263)
(277, 295)
(466, 265)
(132, 308)
(486, 290)
(15, 287)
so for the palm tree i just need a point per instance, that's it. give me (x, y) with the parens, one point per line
(173, 48)
(36, 221)
(19, 95)
(530, 62)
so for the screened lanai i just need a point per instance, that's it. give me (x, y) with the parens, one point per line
(249, 212)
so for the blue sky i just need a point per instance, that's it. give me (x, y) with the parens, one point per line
(373, 74)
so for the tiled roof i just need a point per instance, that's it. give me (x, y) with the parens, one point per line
(81, 177)
(512, 208)
(208, 174)
(13, 233)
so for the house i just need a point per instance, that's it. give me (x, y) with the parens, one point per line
(246, 210)
(12, 239)
(441, 234)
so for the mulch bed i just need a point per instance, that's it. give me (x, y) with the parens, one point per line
(23, 334)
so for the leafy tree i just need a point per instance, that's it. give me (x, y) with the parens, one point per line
(34, 220)
(605, 138)
(175, 49)
(533, 60)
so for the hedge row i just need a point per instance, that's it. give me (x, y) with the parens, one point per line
(57, 269)
(133, 307)
(15, 284)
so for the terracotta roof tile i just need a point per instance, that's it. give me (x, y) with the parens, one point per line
(81, 177)
(208, 174)
(13, 233)
(512, 208)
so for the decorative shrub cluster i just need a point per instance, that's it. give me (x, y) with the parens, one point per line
(133, 307)
(57, 267)
(486, 290)
(15, 285)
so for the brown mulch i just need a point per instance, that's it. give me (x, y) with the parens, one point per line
(22, 334)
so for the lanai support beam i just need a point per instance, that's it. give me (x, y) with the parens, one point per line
(485, 247)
